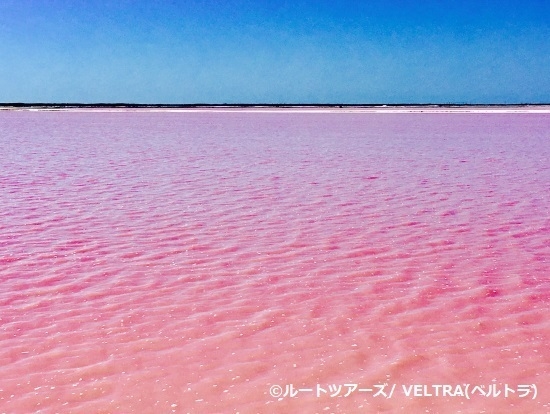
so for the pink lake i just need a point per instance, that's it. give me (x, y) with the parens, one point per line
(206, 262)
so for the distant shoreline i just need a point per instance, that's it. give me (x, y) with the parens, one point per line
(258, 105)
(355, 108)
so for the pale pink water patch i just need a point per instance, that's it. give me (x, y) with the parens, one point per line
(192, 262)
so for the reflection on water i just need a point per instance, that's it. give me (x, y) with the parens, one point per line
(189, 262)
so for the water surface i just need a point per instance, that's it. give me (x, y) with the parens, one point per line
(189, 262)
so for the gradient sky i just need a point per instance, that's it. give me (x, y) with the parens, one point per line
(192, 51)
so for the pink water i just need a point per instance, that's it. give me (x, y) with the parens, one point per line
(189, 262)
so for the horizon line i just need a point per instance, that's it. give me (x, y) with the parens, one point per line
(256, 105)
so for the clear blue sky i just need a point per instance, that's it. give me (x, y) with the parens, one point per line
(193, 51)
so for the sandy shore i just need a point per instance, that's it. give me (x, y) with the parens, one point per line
(505, 109)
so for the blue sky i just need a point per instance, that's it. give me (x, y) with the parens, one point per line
(191, 51)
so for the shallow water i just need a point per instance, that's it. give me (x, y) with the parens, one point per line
(192, 262)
